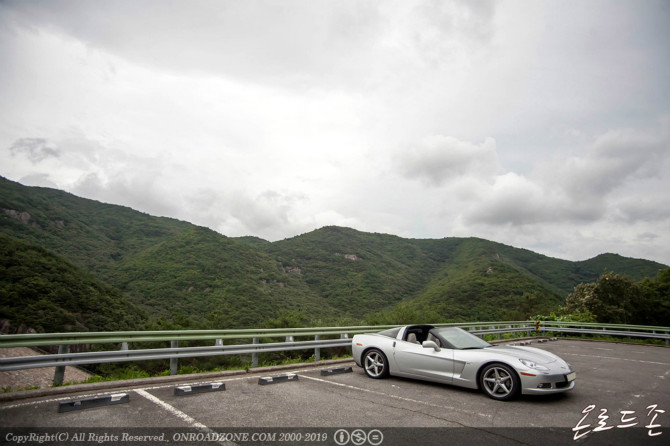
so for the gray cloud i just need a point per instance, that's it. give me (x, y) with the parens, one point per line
(34, 149)
(268, 39)
(612, 160)
(39, 180)
(438, 159)
(93, 170)
(512, 199)
(138, 191)
(293, 42)
(272, 118)
(620, 176)
(270, 214)
(441, 32)
(643, 208)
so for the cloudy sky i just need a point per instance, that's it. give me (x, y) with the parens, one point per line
(539, 124)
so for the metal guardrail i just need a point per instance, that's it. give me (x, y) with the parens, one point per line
(318, 334)
(19, 363)
(48, 339)
(628, 331)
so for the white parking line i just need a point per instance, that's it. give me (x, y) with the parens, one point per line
(401, 398)
(76, 396)
(176, 412)
(156, 387)
(179, 414)
(617, 359)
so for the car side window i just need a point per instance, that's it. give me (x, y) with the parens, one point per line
(412, 338)
(434, 339)
(415, 337)
(391, 333)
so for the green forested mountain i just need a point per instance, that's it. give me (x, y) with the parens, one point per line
(92, 235)
(200, 273)
(44, 292)
(178, 271)
(356, 272)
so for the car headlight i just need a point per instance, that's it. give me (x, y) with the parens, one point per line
(532, 365)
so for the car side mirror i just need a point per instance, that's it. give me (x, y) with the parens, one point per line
(431, 344)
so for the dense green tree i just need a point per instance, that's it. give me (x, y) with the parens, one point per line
(287, 319)
(615, 298)
(41, 291)
(653, 307)
(610, 298)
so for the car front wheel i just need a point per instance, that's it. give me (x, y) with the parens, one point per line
(499, 382)
(375, 364)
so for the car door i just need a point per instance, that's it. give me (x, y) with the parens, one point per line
(425, 363)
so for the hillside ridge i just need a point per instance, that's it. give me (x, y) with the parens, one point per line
(174, 270)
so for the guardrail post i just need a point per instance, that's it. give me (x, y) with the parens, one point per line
(59, 375)
(317, 350)
(218, 343)
(124, 346)
(174, 364)
(254, 356)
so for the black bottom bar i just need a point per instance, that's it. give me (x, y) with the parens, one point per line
(201, 388)
(91, 403)
(264, 381)
(336, 371)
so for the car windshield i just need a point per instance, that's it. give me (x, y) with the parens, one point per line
(391, 333)
(459, 338)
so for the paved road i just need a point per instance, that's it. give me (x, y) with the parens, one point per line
(628, 384)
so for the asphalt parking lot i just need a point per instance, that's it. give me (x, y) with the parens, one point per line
(622, 396)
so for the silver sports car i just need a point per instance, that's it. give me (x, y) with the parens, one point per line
(451, 355)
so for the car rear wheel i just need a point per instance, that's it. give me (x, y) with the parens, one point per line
(499, 382)
(375, 364)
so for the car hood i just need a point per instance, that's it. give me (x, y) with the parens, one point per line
(534, 354)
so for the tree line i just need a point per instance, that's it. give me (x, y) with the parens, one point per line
(616, 299)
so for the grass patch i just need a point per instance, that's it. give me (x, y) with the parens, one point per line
(9, 389)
